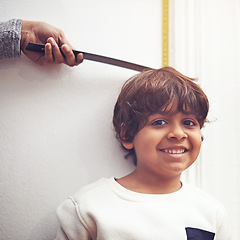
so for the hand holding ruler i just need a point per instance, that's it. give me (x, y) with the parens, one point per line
(93, 57)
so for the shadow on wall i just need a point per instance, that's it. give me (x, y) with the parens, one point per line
(33, 71)
(46, 229)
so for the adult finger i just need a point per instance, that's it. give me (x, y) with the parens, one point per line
(66, 48)
(80, 58)
(57, 55)
(69, 56)
(48, 54)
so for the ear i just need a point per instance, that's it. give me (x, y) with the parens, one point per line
(127, 145)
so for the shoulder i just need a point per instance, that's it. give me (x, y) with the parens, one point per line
(197, 192)
(92, 190)
(77, 208)
(88, 196)
(202, 200)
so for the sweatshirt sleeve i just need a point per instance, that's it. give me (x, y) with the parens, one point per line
(10, 36)
(71, 227)
(223, 232)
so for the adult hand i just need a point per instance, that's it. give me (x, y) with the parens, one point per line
(53, 38)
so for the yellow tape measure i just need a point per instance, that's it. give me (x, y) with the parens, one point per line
(165, 32)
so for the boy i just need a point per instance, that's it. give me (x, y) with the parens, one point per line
(157, 118)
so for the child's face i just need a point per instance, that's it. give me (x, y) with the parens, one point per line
(167, 145)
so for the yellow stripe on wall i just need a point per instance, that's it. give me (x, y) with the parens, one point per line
(165, 20)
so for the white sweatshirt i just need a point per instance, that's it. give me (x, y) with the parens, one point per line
(104, 210)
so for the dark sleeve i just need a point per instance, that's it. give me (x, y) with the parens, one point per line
(10, 36)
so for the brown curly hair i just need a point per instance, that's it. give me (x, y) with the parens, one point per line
(153, 91)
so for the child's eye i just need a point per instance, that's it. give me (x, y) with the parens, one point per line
(159, 122)
(189, 122)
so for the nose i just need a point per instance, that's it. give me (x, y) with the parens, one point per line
(177, 132)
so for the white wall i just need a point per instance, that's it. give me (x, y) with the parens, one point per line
(205, 37)
(55, 122)
(220, 73)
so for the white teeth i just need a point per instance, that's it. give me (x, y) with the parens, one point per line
(174, 151)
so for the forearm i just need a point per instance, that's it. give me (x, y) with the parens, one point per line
(10, 37)
(15, 34)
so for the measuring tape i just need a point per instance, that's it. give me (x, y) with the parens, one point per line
(165, 32)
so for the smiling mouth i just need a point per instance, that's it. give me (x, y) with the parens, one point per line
(174, 151)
